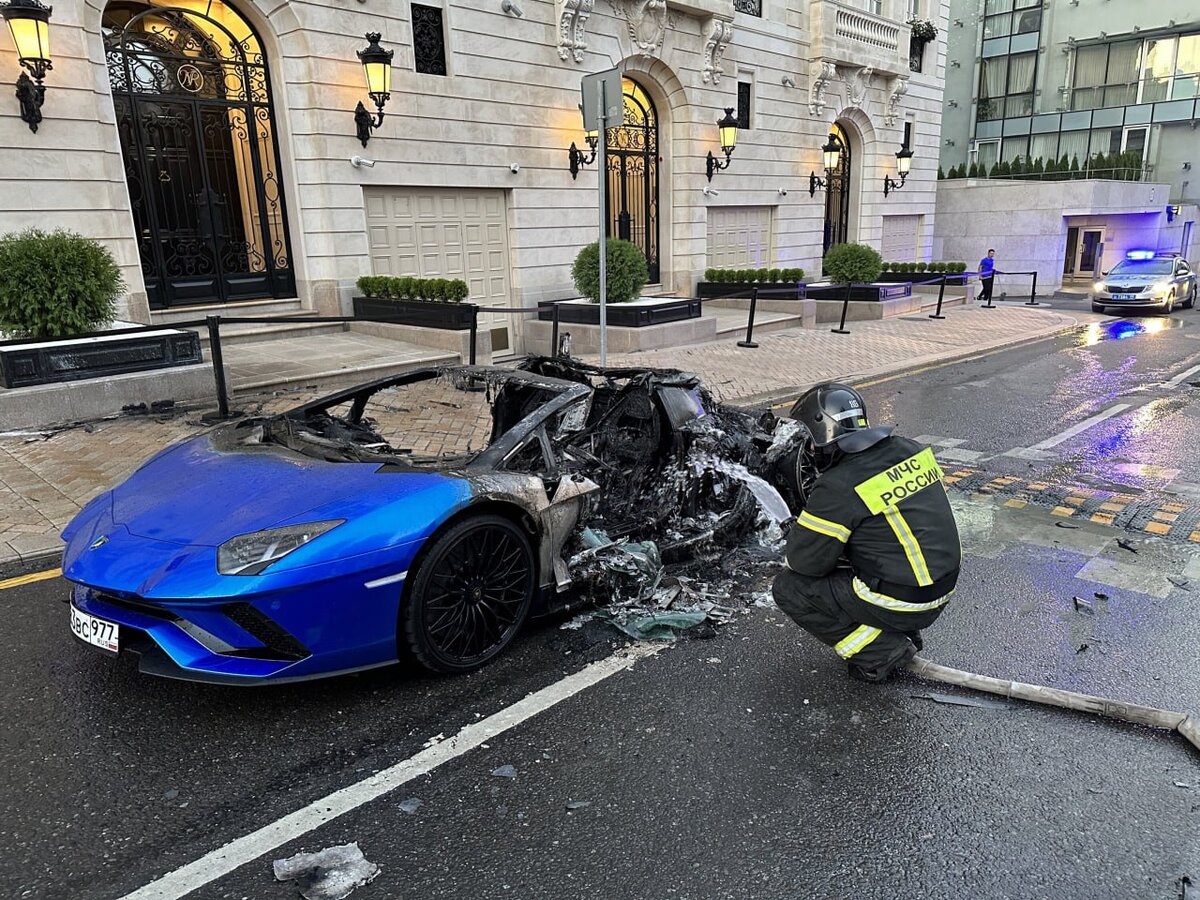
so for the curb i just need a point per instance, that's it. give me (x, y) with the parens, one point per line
(25, 565)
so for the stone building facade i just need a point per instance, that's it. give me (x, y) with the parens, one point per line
(212, 143)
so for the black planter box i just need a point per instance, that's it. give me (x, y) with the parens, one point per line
(47, 362)
(870, 292)
(622, 315)
(776, 290)
(422, 313)
(918, 277)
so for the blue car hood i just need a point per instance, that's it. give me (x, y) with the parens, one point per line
(196, 494)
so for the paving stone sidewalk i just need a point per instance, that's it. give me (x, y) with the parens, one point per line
(46, 479)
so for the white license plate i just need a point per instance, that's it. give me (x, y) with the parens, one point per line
(96, 632)
(1124, 296)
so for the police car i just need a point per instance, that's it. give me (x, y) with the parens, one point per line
(1146, 280)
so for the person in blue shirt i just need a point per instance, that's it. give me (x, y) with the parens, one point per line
(987, 272)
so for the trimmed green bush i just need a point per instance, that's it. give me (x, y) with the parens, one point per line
(406, 287)
(852, 264)
(56, 285)
(762, 276)
(627, 272)
(711, 274)
(773, 275)
(941, 174)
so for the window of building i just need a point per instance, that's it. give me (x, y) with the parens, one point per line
(1004, 17)
(987, 154)
(873, 6)
(743, 105)
(1128, 72)
(749, 7)
(1006, 86)
(1187, 69)
(1012, 147)
(1044, 147)
(429, 39)
(914, 9)
(1073, 145)
(1158, 65)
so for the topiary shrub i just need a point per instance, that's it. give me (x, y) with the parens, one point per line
(372, 285)
(852, 264)
(710, 275)
(56, 285)
(460, 291)
(762, 276)
(627, 272)
(941, 174)
(773, 275)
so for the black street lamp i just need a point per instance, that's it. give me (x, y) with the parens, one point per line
(903, 167)
(728, 126)
(579, 159)
(831, 155)
(377, 67)
(29, 23)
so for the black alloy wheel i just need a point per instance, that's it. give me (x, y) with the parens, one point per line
(1191, 300)
(471, 594)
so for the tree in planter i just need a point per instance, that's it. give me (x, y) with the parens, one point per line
(851, 264)
(56, 285)
(627, 272)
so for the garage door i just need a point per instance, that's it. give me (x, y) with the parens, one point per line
(900, 235)
(739, 237)
(446, 233)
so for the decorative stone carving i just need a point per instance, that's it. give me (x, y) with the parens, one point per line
(826, 72)
(898, 90)
(572, 22)
(720, 33)
(648, 22)
(858, 82)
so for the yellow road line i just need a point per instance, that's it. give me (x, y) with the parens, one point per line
(29, 579)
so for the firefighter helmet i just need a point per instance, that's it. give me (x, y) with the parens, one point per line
(830, 412)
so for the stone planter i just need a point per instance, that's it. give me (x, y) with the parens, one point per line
(782, 290)
(868, 292)
(641, 313)
(25, 363)
(421, 313)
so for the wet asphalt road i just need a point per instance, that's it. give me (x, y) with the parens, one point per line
(745, 765)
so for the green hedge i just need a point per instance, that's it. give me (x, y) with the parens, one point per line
(903, 268)
(852, 264)
(406, 287)
(626, 273)
(754, 276)
(56, 285)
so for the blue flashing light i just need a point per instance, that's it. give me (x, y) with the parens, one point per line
(1140, 254)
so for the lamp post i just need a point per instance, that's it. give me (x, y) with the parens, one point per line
(728, 128)
(29, 23)
(377, 68)
(579, 159)
(831, 157)
(903, 167)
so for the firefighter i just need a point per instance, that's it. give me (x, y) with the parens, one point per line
(874, 556)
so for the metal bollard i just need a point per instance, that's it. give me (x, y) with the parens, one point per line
(474, 331)
(218, 364)
(554, 348)
(941, 296)
(1033, 292)
(841, 329)
(749, 341)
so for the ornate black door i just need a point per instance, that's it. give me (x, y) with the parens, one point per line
(632, 163)
(837, 195)
(200, 153)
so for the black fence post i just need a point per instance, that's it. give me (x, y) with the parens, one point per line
(1033, 292)
(554, 332)
(841, 329)
(218, 364)
(474, 332)
(749, 341)
(941, 296)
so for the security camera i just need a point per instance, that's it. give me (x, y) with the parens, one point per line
(510, 7)
(514, 168)
(710, 192)
(783, 192)
(359, 161)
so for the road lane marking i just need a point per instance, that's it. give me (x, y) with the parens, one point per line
(1181, 377)
(250, 847)
(1083, 426)
(29, 579)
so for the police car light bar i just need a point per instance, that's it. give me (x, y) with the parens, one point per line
(1140, 254)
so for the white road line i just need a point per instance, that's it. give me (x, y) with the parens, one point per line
(1081, 427)
(250, 847)
(1181, 377)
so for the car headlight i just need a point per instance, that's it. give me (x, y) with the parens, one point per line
(1099, 287)
(249, 554)
(1160, 287)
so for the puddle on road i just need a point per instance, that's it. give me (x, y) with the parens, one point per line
(1123, 329)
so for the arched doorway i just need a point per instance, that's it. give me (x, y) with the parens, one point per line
(200, 153)
(632, 163)
(837, 193)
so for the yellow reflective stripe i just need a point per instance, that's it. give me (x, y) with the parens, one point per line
(824, 526)
(856, 640)
(912, 548)
(901, 481)
(865, 593)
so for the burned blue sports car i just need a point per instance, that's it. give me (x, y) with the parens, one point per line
(422, 516)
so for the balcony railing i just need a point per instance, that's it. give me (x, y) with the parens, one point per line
(852, 36)
(867, 29)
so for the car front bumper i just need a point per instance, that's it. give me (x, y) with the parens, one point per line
(1143, 300)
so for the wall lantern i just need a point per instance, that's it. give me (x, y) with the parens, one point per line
(29, 22)
(578, 158)
(377, 67)
(831, 155)
(903, 167)
(728, 126)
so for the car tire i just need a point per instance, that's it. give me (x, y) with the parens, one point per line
(1097, 308)
(472, 593)
(1191, 301)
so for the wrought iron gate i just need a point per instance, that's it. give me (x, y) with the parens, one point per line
(632, 163)
(837, 195)
(201, 159)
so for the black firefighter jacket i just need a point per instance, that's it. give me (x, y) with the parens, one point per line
(885, 509)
